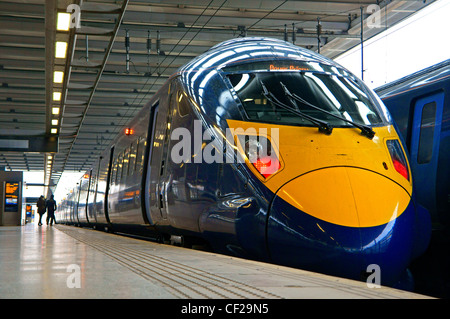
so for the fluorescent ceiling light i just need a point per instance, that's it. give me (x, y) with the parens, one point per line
(63, 21)
(55, 110)
(54, 122)
(61, 49)
(56, 96)
(58, 76)
(54, 130)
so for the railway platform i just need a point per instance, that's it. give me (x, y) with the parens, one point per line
(64, 262)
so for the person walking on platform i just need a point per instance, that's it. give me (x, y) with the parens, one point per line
(40, 208)
(51, 207)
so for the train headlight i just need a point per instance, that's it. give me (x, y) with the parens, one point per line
(267, 166)
(398, 158)
(261, 154)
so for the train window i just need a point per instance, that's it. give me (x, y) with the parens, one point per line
(427, 125)
(140, 153)
(183, 103)
(93, 181)
(114, 172)
(126, 159)
(119, 168)
(317, 92)
(133, 151)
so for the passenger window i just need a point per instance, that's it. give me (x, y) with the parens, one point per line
(183, 104)
(125, 163)
(426, 136)
(93, 183)
(132, 163)
(140, 153)
(119, 168)
(114, 173)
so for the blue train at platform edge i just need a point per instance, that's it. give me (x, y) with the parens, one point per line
(292, 160)
(420, 105)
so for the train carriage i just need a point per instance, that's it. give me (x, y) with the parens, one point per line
(266, 151)
(420, 105)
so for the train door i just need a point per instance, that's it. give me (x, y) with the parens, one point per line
(87, 196)
(108, 184)
(156, 181)
(151, 139)
(70, 207)
(93, 210)
(77, 203)
(425, 139)
(165, 179)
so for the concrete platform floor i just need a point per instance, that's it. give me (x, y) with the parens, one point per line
(68, 262)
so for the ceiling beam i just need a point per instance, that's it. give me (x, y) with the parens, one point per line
(50, 27)
(100, 72)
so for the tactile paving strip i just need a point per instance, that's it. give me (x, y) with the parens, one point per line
(187, 273)
(182, 280)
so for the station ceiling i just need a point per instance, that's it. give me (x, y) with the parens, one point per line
(110, 70)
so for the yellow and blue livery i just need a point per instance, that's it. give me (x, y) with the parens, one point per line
(267, 151)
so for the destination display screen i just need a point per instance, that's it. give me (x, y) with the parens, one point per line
(284, 65)
(12, 193)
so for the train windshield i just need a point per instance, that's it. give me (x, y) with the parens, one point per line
(334, 98)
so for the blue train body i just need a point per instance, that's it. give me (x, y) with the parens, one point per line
(332, 193)
(420, 105)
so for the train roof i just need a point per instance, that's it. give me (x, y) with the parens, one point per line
(432, 74)
(248, 49)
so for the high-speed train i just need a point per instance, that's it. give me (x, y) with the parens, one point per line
(267, 151)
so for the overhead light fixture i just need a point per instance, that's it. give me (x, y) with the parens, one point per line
(55, 110)
(63, 21)
(56, 96)
(54, 130)
(58, 76)
(55, 122)
(61, 49)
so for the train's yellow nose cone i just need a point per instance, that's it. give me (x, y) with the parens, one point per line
(347, 196)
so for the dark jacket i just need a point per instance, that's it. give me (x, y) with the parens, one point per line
(51, 206)
(41, 205)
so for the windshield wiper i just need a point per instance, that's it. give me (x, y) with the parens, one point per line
(323, 126)
(365, 130)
